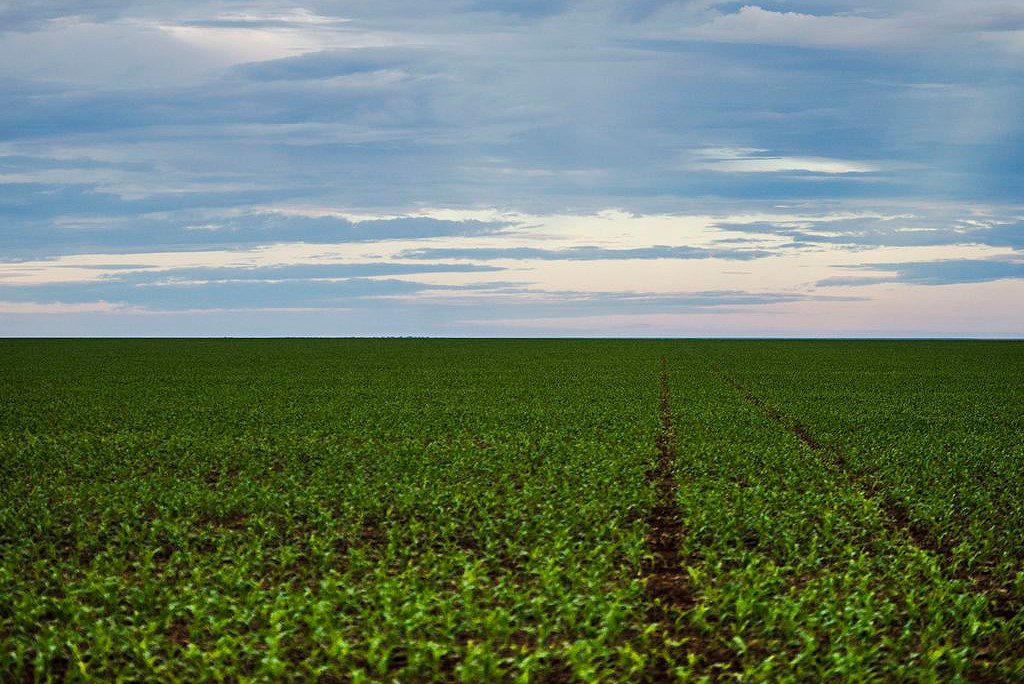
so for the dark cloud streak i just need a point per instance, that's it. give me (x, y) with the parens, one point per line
(941, 272)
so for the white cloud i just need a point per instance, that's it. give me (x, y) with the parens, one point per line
(154, 53)
(111, 55)
(59, 307)
(900, 27)
(752, 24)
(753, 160)
(245, 38)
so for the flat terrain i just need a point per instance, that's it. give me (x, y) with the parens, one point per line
(417, 510)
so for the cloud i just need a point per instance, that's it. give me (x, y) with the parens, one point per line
(334, 63)
(302, 271)
(291, 18)
(898, 230)
(753, 160)
(237, 40)
(584, 253)
(145, 292)
(32, 16)
(377, 287)
(60, 308)
(227, 153)
(104, 54)
(897, 27)
(942, 272)
(123, 229)
(589, 301)
(752, 24)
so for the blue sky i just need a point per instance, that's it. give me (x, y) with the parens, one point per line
(478, 168)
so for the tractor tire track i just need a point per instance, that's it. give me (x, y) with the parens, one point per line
(666, 586)
(666, 583)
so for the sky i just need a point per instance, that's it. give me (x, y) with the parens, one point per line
(835, 168)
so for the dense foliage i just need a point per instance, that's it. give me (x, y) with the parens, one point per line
(368, 510)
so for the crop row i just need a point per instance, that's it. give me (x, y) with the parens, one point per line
(933, 430)
(333, 512)
(367, 510)
(800, 575)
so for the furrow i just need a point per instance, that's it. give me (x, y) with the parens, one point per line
(665, 583)
(668, 587)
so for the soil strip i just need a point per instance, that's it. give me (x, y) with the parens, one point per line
(669, 592)
(666, 584)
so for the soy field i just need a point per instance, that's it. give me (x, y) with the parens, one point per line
(416, 510)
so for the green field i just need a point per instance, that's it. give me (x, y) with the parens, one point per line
(559, 510)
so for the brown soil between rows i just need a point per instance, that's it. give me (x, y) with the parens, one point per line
(667, 585)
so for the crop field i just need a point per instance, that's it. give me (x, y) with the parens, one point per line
(513, 510)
